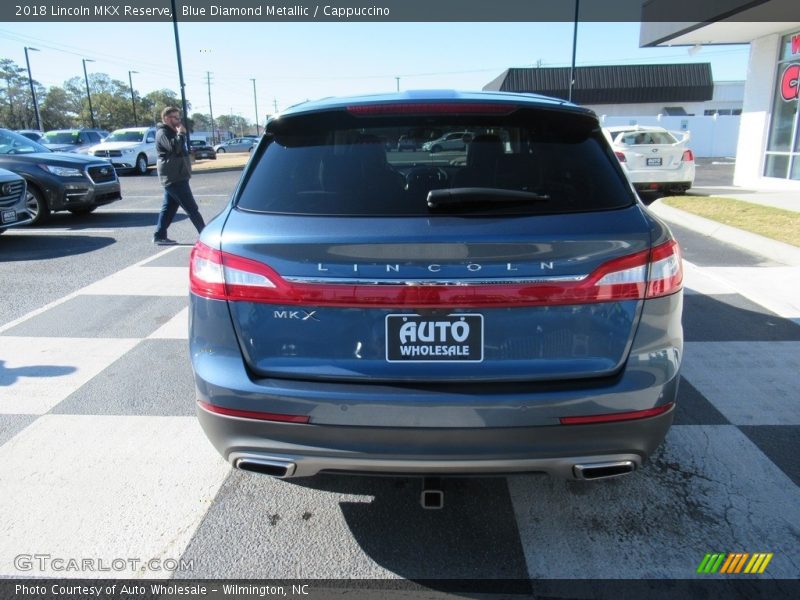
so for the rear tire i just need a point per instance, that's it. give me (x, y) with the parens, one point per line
(36, 205)
(221, 151)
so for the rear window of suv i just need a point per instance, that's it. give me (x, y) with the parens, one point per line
(528, 162)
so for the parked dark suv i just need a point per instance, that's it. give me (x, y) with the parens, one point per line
(58, 180)
(511, 309)
(72, 140)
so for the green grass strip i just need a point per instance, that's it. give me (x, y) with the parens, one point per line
(775, 223)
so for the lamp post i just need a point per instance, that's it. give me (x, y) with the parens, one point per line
(33, 92)
(574, 49)
(133, 99)
(184, 107)
(88, 93)
(255, 103)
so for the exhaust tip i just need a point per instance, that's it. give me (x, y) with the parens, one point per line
(273, 468)
(604, 470)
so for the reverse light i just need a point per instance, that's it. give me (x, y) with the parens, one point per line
(614, 417)
(688, 155)
(646, 274)
(666, 270)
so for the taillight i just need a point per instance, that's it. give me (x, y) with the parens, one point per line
(646, 274)
(431, 108)
(223, 276)
(666, 270)
(687, 155)
(620, 156)
(661, 277)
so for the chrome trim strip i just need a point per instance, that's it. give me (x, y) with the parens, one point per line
(435, 282)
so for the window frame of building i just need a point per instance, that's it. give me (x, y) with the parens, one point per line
(782, 155)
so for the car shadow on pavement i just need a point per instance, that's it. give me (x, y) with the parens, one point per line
(39, 247)
(103, 220)
(472, 537)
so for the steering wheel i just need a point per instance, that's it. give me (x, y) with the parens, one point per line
(425, 178)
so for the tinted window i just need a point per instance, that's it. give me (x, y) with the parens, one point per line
(13, 143)
(338, 164)
(636, 138)
(61, 137)
(122, 135)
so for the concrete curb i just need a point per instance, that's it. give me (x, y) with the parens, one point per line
(766, 247)
(216, 170)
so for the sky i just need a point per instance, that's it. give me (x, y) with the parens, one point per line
(293, 62)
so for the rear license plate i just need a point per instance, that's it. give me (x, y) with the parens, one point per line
(447, 338)
(9, 216)
(654, 162)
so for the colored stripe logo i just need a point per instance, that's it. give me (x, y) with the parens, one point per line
(734, 563)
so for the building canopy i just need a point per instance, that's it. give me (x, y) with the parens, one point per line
(615, 84)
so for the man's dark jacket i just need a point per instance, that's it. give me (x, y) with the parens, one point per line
(174, 164)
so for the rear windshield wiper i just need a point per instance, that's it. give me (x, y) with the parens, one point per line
(477, 195)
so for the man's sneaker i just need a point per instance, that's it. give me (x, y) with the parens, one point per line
(165, 241)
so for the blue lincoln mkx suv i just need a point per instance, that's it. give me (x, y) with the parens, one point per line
(505, 306)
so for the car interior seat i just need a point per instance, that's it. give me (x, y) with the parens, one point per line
(482, 156)
(362, 167)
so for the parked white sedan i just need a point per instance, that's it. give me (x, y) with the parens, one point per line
(653, 158)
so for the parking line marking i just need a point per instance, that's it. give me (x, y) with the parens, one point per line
(38, 311)
(60, 231)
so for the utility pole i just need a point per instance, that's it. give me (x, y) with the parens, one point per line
(574, 49)
(275, 104)
(180, 64)
(398, 83)
(88, 93)
(33, 92)
(211, 110)
(133, 100)
(255, 103)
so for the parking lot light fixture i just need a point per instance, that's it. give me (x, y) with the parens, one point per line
(88, 93)
(133, 99)
(33, 91)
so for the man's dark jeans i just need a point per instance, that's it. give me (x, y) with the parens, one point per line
(175, 195)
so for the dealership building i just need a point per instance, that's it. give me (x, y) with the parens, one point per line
(768, 149)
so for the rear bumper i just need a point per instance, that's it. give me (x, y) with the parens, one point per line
(471, 428)
(306, 449)
(643, 178)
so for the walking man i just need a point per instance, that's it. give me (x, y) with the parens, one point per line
(174, 170)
